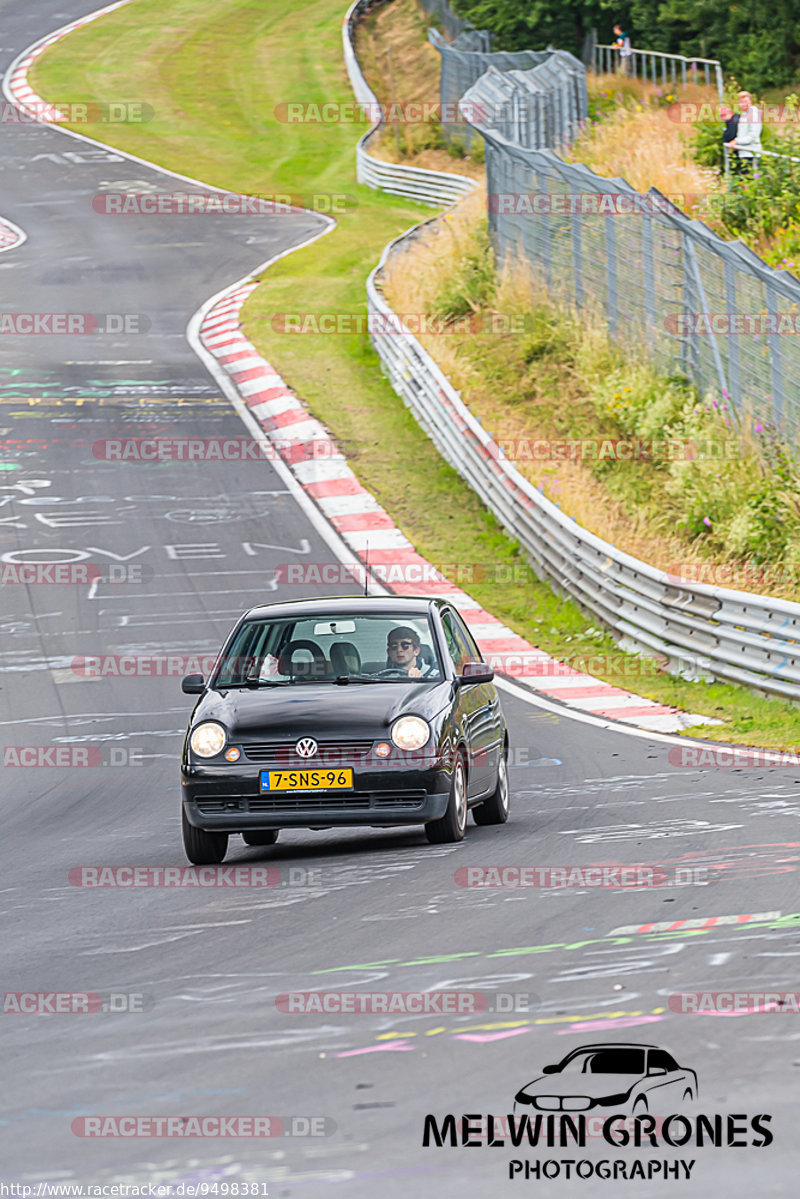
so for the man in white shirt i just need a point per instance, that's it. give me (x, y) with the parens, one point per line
(747, 142)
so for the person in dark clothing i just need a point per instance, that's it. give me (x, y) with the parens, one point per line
(729, 132)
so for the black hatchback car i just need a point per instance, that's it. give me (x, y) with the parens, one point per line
(372, 711)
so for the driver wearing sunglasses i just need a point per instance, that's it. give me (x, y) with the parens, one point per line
(402, 651)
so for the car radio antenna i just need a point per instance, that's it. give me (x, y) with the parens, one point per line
(366, 569)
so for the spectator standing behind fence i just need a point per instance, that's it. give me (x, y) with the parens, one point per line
(623, 44)
(747, 142)
(731, 120)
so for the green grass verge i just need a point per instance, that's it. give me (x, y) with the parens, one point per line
(214, 74)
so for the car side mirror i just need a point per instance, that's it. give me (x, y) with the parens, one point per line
(550, 1070)
(193, 684)
(476, 672)
(657, 1070)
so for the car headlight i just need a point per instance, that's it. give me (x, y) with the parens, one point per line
(207, 739)
(410, 732)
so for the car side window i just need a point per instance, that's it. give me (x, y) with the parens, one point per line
(457, 647)
(463, 632)
(660, 1059)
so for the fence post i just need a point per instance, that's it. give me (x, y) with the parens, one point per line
(775, 360)
(732, 344)
(612, 294)
(648, 268)
(577, 257)
(700, 292)
(544, 230)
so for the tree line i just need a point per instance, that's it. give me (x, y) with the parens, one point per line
(758, 43)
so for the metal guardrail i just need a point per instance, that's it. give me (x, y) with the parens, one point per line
(648, 64)
(703, 631)
(438, 188)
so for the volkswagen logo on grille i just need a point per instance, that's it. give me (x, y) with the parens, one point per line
(306, 747)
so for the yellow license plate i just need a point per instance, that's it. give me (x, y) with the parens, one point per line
(306, 780)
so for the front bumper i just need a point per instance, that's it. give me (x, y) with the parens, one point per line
(229, 798)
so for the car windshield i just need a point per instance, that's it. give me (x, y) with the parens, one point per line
(606, 1061)
(336, 650)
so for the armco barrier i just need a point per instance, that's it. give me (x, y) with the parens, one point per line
(704, 631)
(426, 187)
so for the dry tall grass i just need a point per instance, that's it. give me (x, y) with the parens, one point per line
(402, 67)
(648, 146)
(412, 285)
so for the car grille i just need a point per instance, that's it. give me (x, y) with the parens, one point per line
(299, 803)
(331, 800)
(329, 753)
(556, 1103)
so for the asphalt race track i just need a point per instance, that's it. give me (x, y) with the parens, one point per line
(193, 973)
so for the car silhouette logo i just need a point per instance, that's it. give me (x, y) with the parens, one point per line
(306, 747)
(615, 1076)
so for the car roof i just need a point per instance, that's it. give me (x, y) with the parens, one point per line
(612, 1045)
(348, 605)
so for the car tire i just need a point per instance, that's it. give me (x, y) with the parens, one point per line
(640, 1107)
(687, 1096)
(494, 810)
(452, 825)
(203, 848)
(267, 836)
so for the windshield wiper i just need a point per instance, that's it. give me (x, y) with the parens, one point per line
(254, 682)
(343, 679)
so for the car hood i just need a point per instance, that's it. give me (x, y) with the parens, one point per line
(352, 710)
(595, 1086)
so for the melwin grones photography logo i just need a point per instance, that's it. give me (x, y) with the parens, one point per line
(619, 1095)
